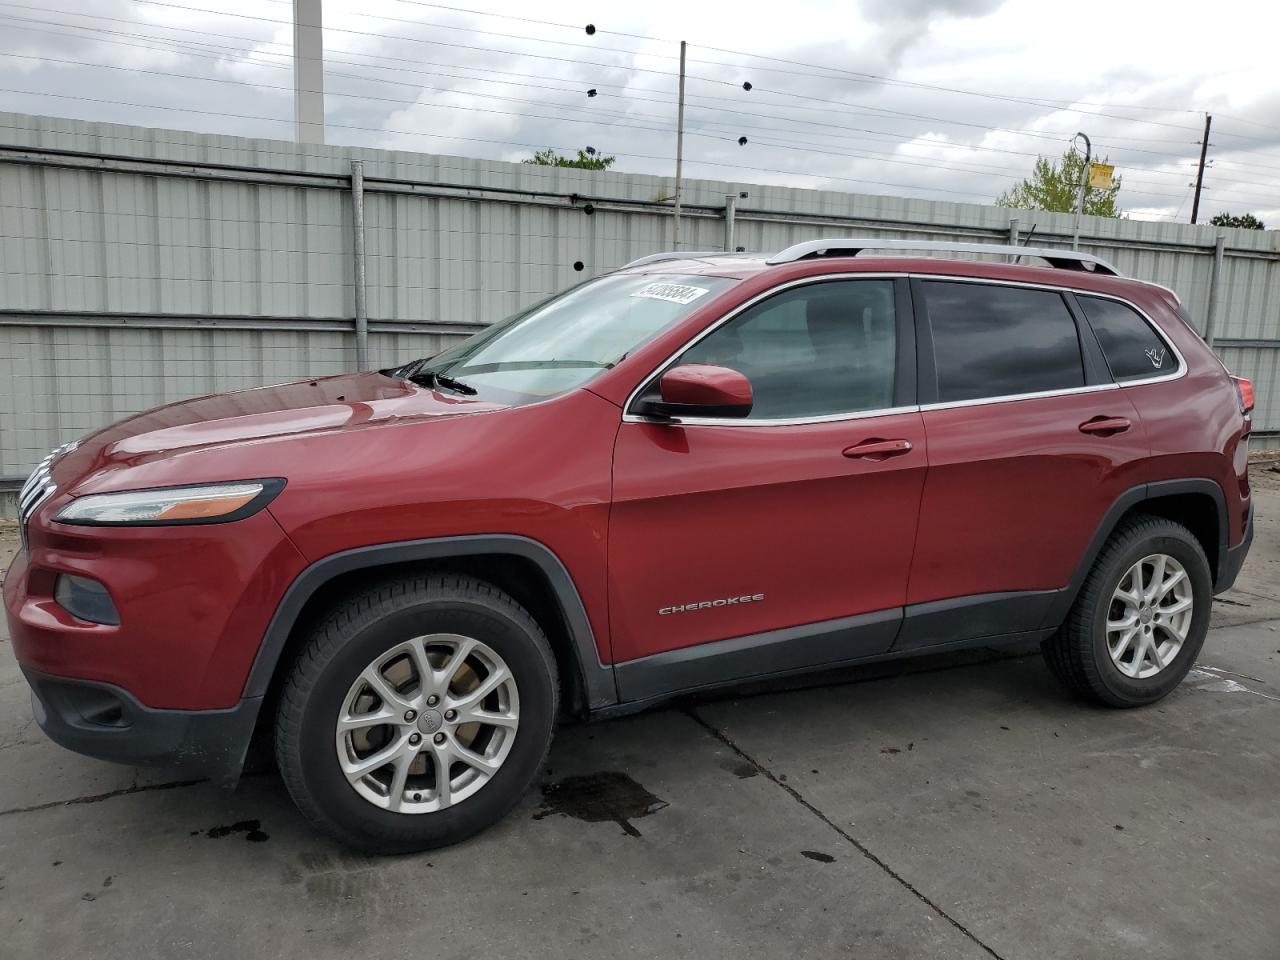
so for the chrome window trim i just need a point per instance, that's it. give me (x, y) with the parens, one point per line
(1012, 397)
(629, 417)
(774, 422)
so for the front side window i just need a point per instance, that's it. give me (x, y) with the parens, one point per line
(816, 350)
(995, 341)
(1133, 350)
(563, 342)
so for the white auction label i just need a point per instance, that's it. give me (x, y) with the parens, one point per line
(671, 292)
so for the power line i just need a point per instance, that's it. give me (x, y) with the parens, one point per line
(886, 135)
(850, 74)
(888, 158)
(1254, 123)
(512, 143)
(419, 40)
(812, 147)
(870, 134)
(756, 56)
(845, 107)
(537, 145)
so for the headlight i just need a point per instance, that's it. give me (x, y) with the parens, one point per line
(210, 503)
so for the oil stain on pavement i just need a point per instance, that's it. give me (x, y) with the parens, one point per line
(606, 797)
(252, 830)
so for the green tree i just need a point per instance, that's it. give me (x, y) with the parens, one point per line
(1246, 221)
(584, 160)
(1053, 186)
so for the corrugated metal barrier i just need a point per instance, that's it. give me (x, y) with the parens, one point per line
(141, 266)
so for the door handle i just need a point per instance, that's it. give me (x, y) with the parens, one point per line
(877, 449)
(1105, 426)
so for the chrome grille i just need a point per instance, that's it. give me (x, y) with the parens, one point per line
(38, 488)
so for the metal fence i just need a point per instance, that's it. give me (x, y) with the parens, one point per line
(140, 266)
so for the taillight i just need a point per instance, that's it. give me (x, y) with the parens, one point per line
(1244, 390)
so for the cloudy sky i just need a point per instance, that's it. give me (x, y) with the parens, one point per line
(943, 99)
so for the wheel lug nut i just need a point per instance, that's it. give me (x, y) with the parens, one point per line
(432, 700)
(410, 716)
(451, 715)
(439, 738)
(415, 739)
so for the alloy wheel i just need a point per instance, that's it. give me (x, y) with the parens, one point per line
(1149, 616)
(427, 723)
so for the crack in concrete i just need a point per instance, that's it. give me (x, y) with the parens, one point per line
(1230, 673)
(857, 845)
(99, 797)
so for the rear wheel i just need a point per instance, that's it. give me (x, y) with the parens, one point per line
(1140, 619)
(418, 714)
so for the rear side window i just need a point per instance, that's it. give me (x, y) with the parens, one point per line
(1133, 350)
(993, 341)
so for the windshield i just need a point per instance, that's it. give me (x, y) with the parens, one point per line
(563, 342)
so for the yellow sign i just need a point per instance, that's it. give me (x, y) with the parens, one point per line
(1100, 175)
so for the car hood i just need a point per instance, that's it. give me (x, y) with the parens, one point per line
(324, 405)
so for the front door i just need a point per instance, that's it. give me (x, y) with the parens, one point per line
(787, 536)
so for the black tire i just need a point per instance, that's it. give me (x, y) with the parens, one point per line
(354, 633)
(1077, 654)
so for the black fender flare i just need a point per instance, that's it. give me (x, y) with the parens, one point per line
(598, 679)
(1131, 498)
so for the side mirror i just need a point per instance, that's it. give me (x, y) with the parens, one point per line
(700, 390)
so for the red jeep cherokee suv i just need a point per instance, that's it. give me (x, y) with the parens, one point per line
(697, 470)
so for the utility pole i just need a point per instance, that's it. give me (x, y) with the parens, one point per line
(1084, 180)
(308, 72)
(1204, 149)
(675, 220)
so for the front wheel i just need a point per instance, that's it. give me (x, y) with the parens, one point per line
(418, 714)
(1141, 616)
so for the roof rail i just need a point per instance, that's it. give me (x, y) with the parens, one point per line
(676, 255)
(851, 247)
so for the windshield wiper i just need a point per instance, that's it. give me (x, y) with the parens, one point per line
(427, 378)
(455, 385)
(408, 371)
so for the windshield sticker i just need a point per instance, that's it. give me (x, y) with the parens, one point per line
(1156, 357)
(671, 292)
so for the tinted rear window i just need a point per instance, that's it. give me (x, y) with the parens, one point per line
(992, 341)
(1133, 350)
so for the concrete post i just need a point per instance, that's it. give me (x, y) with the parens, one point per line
(730, 216)
(357, 219)
(1211, 313)
(675, 219)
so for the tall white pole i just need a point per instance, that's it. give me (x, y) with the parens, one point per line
(308, 72)
(675, 220)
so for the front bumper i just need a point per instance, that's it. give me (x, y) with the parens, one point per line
(1232, 558)
(105, 721)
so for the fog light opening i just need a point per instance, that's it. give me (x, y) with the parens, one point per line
(85, 599)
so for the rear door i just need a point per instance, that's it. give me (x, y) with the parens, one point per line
(738, 528)
(1030, 442)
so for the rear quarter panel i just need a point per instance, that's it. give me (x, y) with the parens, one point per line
(1193, 423)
